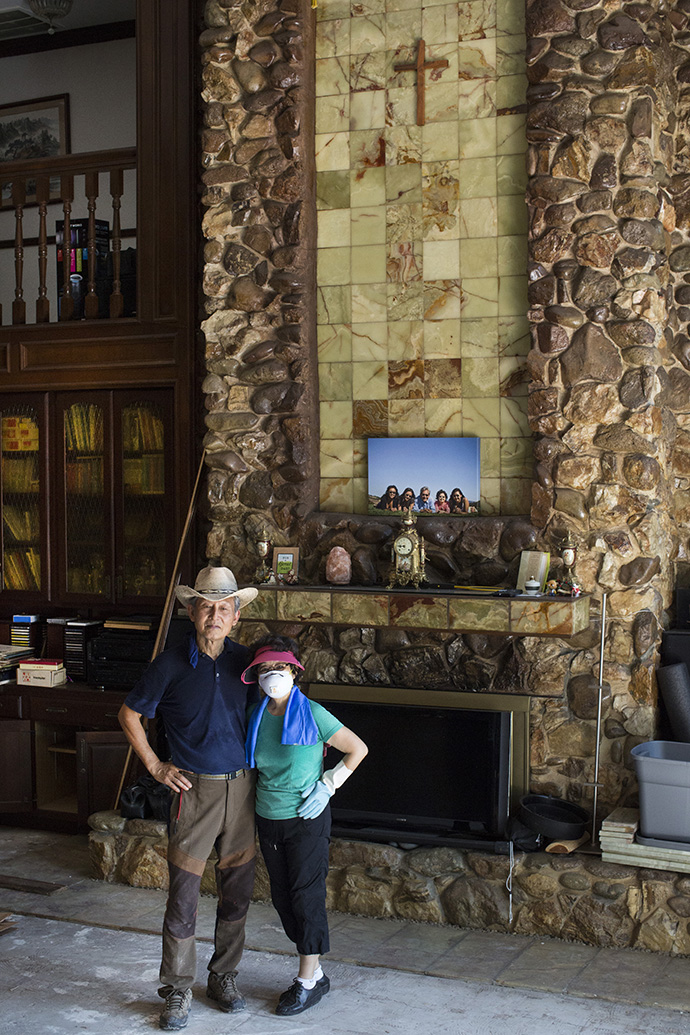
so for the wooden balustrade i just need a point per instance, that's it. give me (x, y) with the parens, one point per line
(41, 176)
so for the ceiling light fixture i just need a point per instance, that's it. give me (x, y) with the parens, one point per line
(50, 9)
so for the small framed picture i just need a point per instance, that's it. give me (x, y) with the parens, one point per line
(286, 563)
(534, 564)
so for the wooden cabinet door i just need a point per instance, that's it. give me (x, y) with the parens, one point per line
(83, 450)
(15, 765)
(25, 497)
(101, 757)
(143, 492)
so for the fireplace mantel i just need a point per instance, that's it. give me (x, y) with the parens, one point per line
(419, 609)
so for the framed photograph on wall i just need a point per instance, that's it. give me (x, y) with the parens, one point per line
(424, 475)
(34, 129)
(286, 563)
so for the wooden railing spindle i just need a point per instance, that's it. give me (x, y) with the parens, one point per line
(18, 200)
(45, 173)
(91, 300)
(66, 302)
(42, 302)
(116, 190)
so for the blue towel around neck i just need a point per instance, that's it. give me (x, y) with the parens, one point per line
(299, 727)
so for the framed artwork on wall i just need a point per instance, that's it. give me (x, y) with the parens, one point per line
(37, 128)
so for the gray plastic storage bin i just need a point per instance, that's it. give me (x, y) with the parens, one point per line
(663, 773)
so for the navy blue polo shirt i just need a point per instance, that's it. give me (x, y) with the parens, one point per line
(202, 702)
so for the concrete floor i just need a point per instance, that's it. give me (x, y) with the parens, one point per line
(85, 960)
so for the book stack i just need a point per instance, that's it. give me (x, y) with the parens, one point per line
(41, 672)
(23, 568)
(618, 838)
(79, 264)
(10, 656)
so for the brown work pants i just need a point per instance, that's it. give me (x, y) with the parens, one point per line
(220, 814)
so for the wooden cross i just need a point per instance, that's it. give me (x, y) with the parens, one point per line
(420, 66)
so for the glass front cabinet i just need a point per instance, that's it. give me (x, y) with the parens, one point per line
(84, 482)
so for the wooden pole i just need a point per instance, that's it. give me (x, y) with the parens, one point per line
(164, 624)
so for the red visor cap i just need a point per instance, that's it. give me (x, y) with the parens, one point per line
(265, 654)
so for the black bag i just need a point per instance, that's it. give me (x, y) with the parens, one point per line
(145, 799)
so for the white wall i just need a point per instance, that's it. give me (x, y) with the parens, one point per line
(101, 82)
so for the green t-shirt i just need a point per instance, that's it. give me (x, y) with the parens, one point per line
(285, 770)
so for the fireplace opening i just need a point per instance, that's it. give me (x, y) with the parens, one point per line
(443, 767)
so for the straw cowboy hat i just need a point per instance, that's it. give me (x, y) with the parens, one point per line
(215, 584)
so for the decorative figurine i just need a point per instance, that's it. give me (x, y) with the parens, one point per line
(569, 555)
(263, 548)
(407, 555)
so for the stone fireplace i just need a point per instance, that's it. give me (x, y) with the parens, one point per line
(580, 394)
(446, 769)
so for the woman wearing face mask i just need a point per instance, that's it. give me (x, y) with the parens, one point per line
(285, 743)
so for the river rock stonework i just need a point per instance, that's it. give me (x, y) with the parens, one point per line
(574, 897)
(609, 402)
(607, 158)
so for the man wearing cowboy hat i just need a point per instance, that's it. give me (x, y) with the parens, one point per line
(196, 689)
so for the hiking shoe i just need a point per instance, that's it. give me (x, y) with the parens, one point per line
(298, 998)
(223, 988)
(178, 1003)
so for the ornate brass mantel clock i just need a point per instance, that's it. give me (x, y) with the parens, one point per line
(407, 555)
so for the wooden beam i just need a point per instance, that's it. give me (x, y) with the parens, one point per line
(68, 38)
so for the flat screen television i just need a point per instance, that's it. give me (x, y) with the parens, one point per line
(433, 774)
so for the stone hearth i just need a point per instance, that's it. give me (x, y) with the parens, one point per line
(576, 897)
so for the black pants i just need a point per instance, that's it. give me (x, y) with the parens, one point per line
(296, 856)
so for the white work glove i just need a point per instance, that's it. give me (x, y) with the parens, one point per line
(318, 796)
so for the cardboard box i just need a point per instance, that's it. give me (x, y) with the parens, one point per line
(33, 677)
(41, 664)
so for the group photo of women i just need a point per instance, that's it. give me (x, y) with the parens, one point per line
(423, 476)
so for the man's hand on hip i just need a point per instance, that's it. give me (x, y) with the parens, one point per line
(170, 775)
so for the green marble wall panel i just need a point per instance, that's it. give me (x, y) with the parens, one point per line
(545, 616)
(421, 260)
(414, 612)
(360, 609)
(479, 615)
(303, 606)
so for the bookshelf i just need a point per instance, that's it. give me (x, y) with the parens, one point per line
(21, 445)
(87, 480)
(85, 527)
(143, 478)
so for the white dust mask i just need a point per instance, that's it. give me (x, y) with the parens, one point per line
(277, 683)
